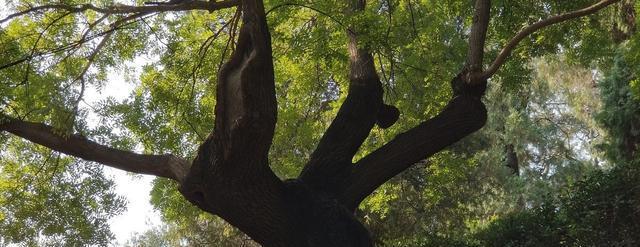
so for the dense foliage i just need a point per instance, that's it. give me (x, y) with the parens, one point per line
(575, 182)
(52, 200)
(621, 111)
(601, 209)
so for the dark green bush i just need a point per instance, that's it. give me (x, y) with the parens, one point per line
(601, 210)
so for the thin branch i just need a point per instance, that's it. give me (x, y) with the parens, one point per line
(75, 45)
(117, 25)
(92, 56)
(202, 52)
(127, 9)
(311, 8)
(167, 166)
(16, 62)
(155, 34)
(232, 34)
(35, 45)
(201, 137)
(82, 74)
(508, 48)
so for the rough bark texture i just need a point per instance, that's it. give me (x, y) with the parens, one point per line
(230, 176)
(330, 163)
(475, 53)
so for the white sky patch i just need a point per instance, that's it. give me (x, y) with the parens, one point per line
(3, 12)
(139, 215)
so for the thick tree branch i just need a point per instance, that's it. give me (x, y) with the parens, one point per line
(167, 166)
(331, 160)
(478, 36)
(508, 48)
(246, 105)
(126, 9)
(330, 163)
(463, 115)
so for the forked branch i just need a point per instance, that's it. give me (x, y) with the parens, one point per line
(87, 36)
(230, 176)
(464, 114)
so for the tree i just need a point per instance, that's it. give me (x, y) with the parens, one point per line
(229, 175)
(621, 112)
(599, 209)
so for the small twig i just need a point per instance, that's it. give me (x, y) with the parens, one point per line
(90, 61)
(73, 48)
(311, 8)
(73, 45)
(193, 128)
(202, 52)
(155, 34)
(232, 31)
(35, 45)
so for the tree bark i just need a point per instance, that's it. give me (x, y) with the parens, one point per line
(167, 166)
(330, 163)
(511, 159)
(464, 115)
(230, 176)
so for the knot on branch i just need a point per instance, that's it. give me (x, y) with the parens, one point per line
(193, 190)
(387, 116)
(466, 84)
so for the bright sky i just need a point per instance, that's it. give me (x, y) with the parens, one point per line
(140, 215)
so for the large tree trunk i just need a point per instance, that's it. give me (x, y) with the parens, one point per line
(230, 176)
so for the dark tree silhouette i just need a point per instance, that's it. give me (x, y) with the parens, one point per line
(231, 178)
